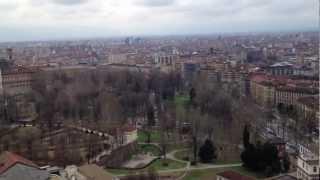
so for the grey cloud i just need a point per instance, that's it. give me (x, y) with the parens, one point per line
(70, 2)
(155, 3)
(8, 6)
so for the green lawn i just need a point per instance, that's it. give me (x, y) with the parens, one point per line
(182, 155)
(157, 166)
(209, 174)
(142, 136)
(181, 99)
(219, 161)
(149, 148)
(121, 172)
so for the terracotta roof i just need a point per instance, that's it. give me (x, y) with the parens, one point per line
(8, 159)
(18, 70)
(231, 175)
(129, 128)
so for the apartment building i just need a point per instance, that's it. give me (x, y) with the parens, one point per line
(308, 167)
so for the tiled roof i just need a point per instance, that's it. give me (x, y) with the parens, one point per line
(8, 159)
(18, 70)
(231, 175)
(24, 172)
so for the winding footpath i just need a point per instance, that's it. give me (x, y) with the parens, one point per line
(188, 167)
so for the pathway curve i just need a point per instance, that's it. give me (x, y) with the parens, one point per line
(188, 167)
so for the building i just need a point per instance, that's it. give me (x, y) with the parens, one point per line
(288, 95)
(308, 107)
(16, 80)
(189, 71)
(15, 167)
(280, 69)
(130, 134)
(231, 175)
(6, 54)
(262, 90)
(308, 167)
(165, 62)
(270, 91)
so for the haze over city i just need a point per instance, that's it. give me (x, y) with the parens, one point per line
(159, 89)
(23, 20)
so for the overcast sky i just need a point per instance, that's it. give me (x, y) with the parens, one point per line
(58, 19)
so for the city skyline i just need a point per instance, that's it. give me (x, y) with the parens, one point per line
(25, 20)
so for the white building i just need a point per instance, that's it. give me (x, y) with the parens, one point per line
(307, 165)
(130, 135)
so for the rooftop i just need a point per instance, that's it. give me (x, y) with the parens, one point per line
(231, 175)
(95, 172)
(8, 159)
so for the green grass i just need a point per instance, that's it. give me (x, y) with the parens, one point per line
(121, 172)
(171, 164)
(142, 136)
(181, 155)
(181, 99)
(149, 148)
(219, 161)
(156, 165)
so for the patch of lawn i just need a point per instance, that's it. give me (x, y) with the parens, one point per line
(171, 164)
(142, 136)
(219, 161)
(181, 99)
(121, 172)
(172, 147)
(157, 165)
(149, 148)
(182, 155)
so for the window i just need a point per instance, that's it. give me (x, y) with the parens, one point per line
(314, 169)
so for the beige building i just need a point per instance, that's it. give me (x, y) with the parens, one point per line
(16, 80)
(268, 91)
(307, 165)
(130, 135)
(165, 62)
(308, 107)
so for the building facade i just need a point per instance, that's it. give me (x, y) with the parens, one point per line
(16, 80)
(270, 91)
(307, 165)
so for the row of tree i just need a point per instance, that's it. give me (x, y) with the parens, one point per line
(97, 95)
